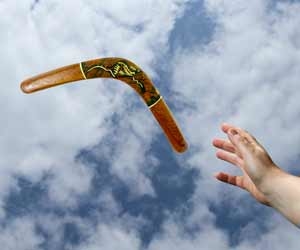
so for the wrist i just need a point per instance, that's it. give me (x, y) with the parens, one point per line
(272, 178)
(282, 192)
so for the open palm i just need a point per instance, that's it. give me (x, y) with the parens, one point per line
(231, 153)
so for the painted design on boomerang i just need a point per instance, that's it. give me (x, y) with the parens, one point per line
(117, 70)
(120, 69)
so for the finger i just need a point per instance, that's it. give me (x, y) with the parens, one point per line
(254, 143)
(231, 179)
(250, 137)
(226, 126)
(242, 143)
(230, 157)
(224, 144)
(245, 134)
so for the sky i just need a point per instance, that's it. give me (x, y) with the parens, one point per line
(85, 166)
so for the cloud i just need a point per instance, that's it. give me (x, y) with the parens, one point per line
(175, 238)
(278, 237)
(43, 132)
(247, 75)
(111, 237)
(251, 64)
(20, 235)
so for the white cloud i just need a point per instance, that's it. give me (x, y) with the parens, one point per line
(43, 132)
(175, 238)
(20, 234)
(247, 75)
(279, 237)
(110, 238)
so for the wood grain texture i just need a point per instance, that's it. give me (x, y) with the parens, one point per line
(52, 78)
(120, 69)
(164, 117)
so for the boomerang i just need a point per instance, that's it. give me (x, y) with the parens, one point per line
(120, 69)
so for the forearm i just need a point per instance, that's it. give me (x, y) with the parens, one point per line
(282, 190)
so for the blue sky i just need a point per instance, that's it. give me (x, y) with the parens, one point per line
(85, 166)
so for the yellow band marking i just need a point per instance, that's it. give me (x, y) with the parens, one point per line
(82, 71)
(151, 106)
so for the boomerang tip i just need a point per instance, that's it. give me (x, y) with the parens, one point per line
(181, 148)
(179, 144)
(26, 87)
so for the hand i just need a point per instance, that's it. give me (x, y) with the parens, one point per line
(243, 151)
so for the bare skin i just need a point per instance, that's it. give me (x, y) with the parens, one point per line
(261, 177)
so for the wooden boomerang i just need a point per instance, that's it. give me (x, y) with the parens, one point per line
(120, 69)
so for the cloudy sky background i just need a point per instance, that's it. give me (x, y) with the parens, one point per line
(85, 166)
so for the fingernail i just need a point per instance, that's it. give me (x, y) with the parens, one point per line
(233, 132)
